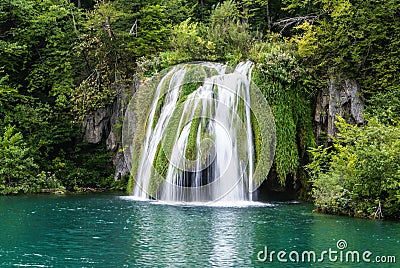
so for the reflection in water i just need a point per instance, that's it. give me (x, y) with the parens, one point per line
(107, 231)
(225, 228)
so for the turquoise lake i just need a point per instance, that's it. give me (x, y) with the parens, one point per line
(104, 230)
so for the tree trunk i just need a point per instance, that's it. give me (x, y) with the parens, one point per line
(269, 20)
(202, 9)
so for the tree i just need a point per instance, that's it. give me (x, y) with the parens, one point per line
(17, 170)
(112, 40)
(38, 73)
(360, 38)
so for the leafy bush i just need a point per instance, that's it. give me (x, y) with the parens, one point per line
(224, 38)
(18, 171)
(86, 166)
(385, 106)
(360, 172)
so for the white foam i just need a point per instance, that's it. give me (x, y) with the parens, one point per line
(134, 198)
(234, 204)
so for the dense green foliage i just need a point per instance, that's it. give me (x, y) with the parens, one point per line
(39, 71)
(360, 172)
(358, 37)
(283, 82)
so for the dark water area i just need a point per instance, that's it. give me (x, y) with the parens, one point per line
(103, 230)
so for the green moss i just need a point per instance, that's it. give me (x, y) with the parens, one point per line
(161, 164)
(257, 139)
(210, 72)
(157, 113)
(263, 126)
(280, 77)
(242, 132)
(194, 78)
(241, 110)
(172, 130)
(130, 185)
(191, 146)
(187, 89)
(207, 146)
(160, 102)
(287, 155)
(215, 90)
(144, 99)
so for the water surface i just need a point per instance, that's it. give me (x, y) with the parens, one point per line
(113, 231)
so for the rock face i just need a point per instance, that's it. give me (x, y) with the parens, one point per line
(342, 97)
(106, 125)
(97, 125)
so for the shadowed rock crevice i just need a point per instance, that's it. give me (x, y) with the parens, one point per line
(342, 97)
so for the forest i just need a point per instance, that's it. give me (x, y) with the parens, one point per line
(62, 61)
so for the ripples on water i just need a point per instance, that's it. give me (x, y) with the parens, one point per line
(112, 231)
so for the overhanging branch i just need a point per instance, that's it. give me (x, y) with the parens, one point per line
(292, 22)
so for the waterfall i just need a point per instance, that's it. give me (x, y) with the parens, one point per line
(197, 142)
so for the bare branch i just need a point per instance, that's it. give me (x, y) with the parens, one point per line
(291, 22)
(134, 28)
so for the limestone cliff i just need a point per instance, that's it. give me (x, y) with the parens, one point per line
(105, 125)
(341, 97)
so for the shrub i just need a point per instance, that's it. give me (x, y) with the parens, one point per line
(360, 172)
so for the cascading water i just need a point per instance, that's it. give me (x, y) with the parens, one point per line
(197, 142)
